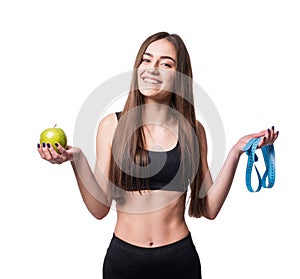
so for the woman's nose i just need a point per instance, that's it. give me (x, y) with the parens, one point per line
(153, 70)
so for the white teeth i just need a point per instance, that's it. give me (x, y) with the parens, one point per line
(152, 81)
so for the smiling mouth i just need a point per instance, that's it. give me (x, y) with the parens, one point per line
(151, 80)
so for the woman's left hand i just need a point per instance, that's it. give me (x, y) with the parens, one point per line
(269, 136)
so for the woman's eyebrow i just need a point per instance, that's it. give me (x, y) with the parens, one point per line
(161, 57)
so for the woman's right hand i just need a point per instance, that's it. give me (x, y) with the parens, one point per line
(48, 153)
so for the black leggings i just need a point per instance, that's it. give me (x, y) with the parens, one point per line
(178, 260)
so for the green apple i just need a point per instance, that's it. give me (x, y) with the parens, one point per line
(53, 135)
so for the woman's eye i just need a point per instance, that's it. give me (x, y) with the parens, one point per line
(166, 65)
(145, 60)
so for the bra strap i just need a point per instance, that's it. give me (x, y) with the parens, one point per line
(118, 114)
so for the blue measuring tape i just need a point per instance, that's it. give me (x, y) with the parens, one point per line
(269, 158)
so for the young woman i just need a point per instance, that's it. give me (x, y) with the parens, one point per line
(148, 157)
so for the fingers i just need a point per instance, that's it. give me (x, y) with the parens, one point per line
(62, 151)
(269, 137)
(40, 150)
(43, 150)
(258, 135)
(48, 153)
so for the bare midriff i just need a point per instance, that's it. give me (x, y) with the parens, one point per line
(152, 220)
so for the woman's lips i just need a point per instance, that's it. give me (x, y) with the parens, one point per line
(151, 80)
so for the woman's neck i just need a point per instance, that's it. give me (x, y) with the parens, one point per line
(156, 113)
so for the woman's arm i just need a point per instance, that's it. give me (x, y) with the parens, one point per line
(217, 191)
(93, 195)
(92, 186)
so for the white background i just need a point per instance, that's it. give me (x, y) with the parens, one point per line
(245, 55)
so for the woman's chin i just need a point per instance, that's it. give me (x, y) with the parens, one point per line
(150, 92)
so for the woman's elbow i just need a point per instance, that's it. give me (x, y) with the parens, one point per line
(210, 215)
(99, 215)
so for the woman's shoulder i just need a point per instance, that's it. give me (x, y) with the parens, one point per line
(107, 126)
(109, 120)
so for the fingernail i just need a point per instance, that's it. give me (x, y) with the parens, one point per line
(48, 145)
(277, 133)
(38, 145)
(273, 128)
(44, 144)
(56, 144)
(268, 130)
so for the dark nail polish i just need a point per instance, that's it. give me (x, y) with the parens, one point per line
(38, 145)
(44, 144)
(48, 145)
(273, 128)
(268, 130)
(277, 133)
(56, 144)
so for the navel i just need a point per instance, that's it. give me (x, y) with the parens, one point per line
(151, 244)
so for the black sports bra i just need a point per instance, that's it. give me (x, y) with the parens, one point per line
(166, 178)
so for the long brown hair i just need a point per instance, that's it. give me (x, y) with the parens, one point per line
(128, 140)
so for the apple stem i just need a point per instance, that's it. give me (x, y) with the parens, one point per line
(54, 125)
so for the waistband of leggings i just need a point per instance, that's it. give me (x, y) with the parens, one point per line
(185, 242)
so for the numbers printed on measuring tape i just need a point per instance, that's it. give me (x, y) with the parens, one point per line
(269, 159)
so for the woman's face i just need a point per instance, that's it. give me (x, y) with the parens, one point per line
(156, 73)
